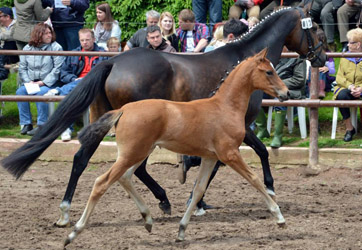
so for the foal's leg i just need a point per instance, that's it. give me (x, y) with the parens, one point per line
(101, 185)
(155, 188)
(199, 189)
(80, 162)
(234, 160)
(127, 184)
(252, 141)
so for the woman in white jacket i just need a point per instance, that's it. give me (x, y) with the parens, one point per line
(106, 27)
(40, 70)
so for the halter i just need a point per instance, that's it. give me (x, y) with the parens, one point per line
(307, 24)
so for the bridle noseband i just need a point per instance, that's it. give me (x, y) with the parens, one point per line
(307, 24)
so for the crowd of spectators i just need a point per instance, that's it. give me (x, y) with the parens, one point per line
(199, 30)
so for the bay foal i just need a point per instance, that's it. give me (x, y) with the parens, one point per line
(212, 128)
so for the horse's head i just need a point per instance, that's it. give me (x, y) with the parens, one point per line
(264, 77)
(304, 40)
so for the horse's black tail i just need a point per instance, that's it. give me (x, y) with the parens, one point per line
(94, 133)
(74, 104)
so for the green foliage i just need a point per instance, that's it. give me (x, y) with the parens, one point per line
(9, 3)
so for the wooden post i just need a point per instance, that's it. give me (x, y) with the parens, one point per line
(313, 136)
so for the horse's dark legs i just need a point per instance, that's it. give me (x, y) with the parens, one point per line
(80, 162)
(252, 141)
(201, 203)
(152, 185)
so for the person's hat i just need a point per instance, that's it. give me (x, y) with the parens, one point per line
(6, 11)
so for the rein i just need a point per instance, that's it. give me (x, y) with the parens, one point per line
(307, 24)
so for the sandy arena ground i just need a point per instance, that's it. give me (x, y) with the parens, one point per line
(322, 212)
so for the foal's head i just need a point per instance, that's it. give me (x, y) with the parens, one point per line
(264, 77)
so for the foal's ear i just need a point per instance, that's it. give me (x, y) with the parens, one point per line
(262, 54)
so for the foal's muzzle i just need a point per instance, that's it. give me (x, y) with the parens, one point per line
(284, 96)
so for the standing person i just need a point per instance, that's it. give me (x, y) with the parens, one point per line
(41, 70)
(67, 20)
(193, 36)
(7, 41)
(29, 13)
(156, 41)
(202, 7)
(106, 27)
(75, 68)
(168, 31)
(349, 79)
(344, 14)
(139, 38)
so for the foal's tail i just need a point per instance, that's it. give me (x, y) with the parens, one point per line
(93, 134)
(74, 104)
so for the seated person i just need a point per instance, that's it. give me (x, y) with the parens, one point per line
(250, 7)
(156, 41)
(344, 14)
(349, 79)
(41, 70)
(231, 30)
(113, 45)
(293, 73)
(75, 68)
(7, 41)
(193, 36)
(139, 38)
(106, 27)
(168, 31)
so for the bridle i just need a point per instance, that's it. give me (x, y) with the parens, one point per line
(307, 24)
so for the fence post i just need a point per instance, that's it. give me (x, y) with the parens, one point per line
(313, 136)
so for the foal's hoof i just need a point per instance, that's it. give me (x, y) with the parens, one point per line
(165, 206)
(62, 225)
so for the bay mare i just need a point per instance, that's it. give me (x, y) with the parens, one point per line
(185, 128)
(145, 74)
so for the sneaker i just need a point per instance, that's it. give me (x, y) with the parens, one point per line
(33, 131)
(26, 128)
(66, 135)
(52, 92)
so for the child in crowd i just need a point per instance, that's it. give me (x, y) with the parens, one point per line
(114, 45)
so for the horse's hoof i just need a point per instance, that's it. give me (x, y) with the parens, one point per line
(282, 225)
(67, 242)
(165, 206)
(148, 227)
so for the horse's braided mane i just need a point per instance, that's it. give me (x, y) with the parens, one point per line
(247, 36)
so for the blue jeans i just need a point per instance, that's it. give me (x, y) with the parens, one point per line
(201, 7)
(68, 37)
(24, 107)
(66, 88)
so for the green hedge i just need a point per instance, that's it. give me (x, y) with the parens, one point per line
(131, 13)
